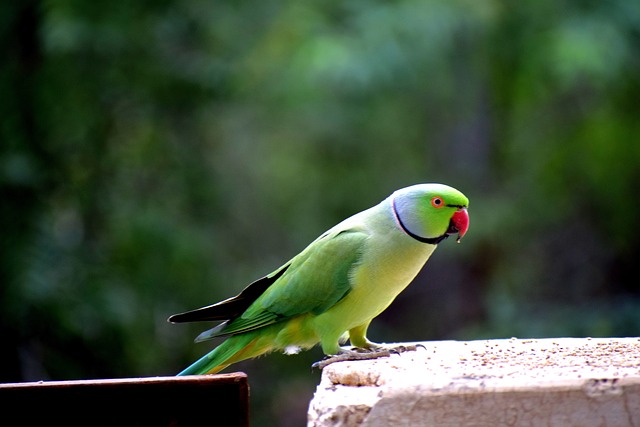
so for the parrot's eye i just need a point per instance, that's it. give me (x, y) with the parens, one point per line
(437, 202)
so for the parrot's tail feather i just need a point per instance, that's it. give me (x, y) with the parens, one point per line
(234, 349)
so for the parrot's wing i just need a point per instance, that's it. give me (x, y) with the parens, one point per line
(233, 307)
(312, 282)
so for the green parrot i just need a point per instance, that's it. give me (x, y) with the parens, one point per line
(334, 288)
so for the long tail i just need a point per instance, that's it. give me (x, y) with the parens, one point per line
(232, 350)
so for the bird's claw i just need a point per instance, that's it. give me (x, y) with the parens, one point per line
(357, 353)
(404, 348)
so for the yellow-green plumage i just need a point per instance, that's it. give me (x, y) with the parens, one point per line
(336, 285)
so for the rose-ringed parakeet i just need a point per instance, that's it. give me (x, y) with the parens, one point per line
(334, 288)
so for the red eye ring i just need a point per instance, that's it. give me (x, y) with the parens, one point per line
(437, 202)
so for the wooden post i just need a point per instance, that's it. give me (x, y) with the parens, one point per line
(200, 400)
(559, 382)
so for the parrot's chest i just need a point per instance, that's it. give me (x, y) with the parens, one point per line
(383, 273)
(390, 270)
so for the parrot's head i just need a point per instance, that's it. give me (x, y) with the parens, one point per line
(431, 212)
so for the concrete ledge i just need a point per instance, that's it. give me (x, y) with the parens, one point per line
(517, 382)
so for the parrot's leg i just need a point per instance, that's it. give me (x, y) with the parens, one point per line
(358, 337)
(363, 348)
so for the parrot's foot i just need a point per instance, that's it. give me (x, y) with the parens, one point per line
(356, 353)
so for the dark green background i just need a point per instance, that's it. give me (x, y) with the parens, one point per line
(159, 155)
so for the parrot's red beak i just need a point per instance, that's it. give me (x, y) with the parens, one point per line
(459, 223)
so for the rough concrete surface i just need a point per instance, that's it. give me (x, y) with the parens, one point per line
(580, 382)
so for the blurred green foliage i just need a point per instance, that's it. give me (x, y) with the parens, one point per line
(158, 155)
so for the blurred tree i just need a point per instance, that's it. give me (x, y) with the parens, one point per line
(159, 155)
